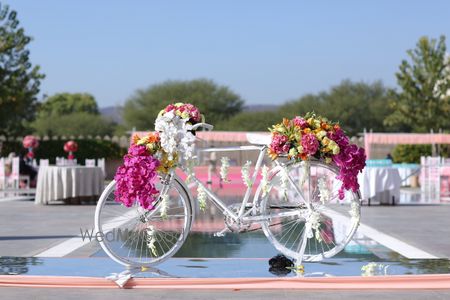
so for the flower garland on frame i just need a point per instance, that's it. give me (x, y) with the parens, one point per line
(224, 168)
(245, 172)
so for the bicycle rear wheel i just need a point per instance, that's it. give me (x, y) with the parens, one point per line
(305, 218)
(136, 237)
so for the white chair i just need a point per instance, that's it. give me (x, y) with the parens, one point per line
(44, 163)
(101, 164)
(89, 162)
(2, 174)
(60, 161)
(15, 176)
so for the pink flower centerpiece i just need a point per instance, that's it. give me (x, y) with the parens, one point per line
(71, 147)
(30, 142)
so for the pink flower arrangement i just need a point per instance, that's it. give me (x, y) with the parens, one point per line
(30, 142)
(313, 136)
(350, 160)
(185, 110)
(135, 180)
(280, 143)
(70, 147)
(310, 144)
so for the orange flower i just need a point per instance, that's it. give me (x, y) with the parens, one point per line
(286, 122)
(135, 138)
(153, 137)
(272, 154)
(336, 127)
(304, 156)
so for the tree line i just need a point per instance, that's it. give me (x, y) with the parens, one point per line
(420, 102)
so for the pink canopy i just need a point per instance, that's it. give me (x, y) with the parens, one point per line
(217, 136)
(404, 138)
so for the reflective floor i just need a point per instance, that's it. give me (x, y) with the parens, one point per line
(234, 255)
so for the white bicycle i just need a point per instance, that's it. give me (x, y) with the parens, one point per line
(297, 208)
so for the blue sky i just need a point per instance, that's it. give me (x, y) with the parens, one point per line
(266, 51)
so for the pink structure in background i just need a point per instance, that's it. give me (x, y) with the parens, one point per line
(403, 138)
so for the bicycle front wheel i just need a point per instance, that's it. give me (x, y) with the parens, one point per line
(304, 218)
(136, 237)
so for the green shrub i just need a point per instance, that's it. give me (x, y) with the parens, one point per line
(410, 153)
(53, 149)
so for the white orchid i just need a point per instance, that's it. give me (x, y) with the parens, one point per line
(175, 135)
(225, 165)
(201, 196)
(245, 171)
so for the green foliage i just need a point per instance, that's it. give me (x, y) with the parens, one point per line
(250, 121)
(217, 103)
(19, 80)
(423, 102)
(78, 123)
(67, 103)
(410, 153)
(356, 105)
(71, 114)
(52, 149)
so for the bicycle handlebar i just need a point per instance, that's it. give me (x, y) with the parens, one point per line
(208, 127)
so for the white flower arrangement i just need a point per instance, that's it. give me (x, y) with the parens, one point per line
(324, 192)
(201, 196)
(175, 135)
(265, 187)
(164, 207)
(245, 171)
(354, 211)
(150, 239)
(224, 167)
(313, 224)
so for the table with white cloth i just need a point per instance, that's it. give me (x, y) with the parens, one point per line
(67, 182)
(380, 184)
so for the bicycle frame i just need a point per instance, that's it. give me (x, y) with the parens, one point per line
(242, 215)
(216, 199)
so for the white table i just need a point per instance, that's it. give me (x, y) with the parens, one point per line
(64, 182)
(380, 183)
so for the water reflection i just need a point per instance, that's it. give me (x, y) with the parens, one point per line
(10, 265)
(212, 267)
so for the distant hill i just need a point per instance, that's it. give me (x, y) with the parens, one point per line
(112, 112)
(115, 112)
(260, 107)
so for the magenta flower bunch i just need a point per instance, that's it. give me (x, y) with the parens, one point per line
(350, 160)
(136, 178)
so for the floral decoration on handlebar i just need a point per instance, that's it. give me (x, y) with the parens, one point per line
(156, 153)
(313, 136)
